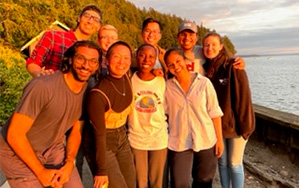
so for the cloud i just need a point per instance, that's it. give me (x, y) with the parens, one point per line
(250, 24)
(268, 41)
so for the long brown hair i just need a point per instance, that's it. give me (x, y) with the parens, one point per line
(223, 58)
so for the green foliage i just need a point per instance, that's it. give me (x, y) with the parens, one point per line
(229, 46)
(12, 79)
(21, 20)
(201, 32)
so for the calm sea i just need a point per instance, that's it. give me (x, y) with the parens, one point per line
(274, 81)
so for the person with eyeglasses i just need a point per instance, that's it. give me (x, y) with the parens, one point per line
(80, 59)
(48, 53)
(35, 149)
(107, 35)
(151, 34)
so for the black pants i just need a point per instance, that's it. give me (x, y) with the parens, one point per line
(201, 165)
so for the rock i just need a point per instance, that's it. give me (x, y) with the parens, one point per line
(284, 173)
(272, 171)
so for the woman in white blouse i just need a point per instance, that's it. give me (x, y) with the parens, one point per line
(195, 133)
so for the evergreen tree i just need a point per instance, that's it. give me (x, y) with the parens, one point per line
(21, 20)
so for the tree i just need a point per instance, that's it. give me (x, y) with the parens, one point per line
(12, 79)
(229, 46)
(21, 20)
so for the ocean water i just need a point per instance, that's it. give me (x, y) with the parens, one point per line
(274, 81)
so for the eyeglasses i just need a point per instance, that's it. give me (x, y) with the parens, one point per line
(154, 32)
(88, 16)
(112, 38)
(80, 59)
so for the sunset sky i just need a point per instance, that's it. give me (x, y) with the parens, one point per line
(254, 26)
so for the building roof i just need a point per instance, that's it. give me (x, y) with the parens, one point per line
(52, 26)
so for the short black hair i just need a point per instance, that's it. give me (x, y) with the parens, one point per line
(143, 45)
(118, 43)
(90, 7)
(150, 20)
(69, 54)
(93, 8)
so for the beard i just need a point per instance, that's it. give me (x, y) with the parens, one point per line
(77, 76)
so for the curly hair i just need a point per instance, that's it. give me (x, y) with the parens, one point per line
(67, 60)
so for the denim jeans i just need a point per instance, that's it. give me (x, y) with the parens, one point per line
(119, 159)
(88, 146)
(79, 160)
(230, 164)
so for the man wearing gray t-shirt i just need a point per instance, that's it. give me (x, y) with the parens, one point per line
(32, 147)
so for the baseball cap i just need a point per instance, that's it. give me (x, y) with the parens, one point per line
(188, 25)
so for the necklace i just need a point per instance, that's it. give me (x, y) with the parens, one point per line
(124, 88)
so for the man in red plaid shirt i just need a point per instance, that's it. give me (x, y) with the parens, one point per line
(48, 53)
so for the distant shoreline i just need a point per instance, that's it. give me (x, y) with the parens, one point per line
(255, 55)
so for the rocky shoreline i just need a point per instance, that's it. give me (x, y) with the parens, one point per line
(271, 164)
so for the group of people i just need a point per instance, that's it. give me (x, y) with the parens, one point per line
(146, 115)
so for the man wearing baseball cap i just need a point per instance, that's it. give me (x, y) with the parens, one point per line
(187, 38)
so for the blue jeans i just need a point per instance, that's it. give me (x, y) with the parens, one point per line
(230, 164)
(119, 159)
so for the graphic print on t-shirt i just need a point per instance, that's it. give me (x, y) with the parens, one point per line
(146, 101)
(191, 66)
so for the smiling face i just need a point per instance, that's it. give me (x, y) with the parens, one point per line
(119, 61)
(151, 33)
(89, 22)
(176, 63)
(84, 63)
(106, 38)
(146, 57)
(212, 46)
(187, 40)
